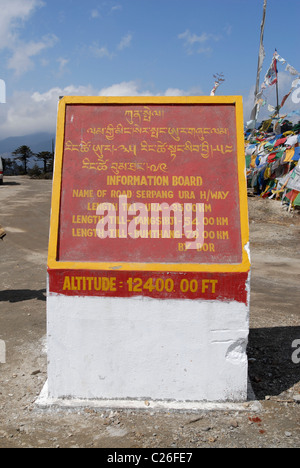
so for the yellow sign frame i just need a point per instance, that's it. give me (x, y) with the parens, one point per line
(54, 264)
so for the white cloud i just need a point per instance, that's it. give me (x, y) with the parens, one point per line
(133, 88)
(175, 92)
(95, 14)
(116, 8)
(101, 52)
(105, 9)
(21, 59)
(227, 29)
(27, 113)
(14, 14)
(62, 64)
(193, 41)
(126, 88)
(125, 42)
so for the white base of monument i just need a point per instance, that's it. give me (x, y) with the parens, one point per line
(142, 349)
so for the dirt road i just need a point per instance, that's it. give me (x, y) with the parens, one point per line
(275, 325)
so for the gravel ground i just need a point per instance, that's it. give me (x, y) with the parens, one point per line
(273, 369)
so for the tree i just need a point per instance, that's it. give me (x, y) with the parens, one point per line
(23, 153)
(35, 171)
(11, 167)
(47, 158)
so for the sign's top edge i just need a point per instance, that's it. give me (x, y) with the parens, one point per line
(151, 99)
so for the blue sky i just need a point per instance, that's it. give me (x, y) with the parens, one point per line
(50, 48)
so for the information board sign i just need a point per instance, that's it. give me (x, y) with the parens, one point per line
(149, 199)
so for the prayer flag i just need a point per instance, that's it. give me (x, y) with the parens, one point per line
(292, 195)
(296, 156)
(213, 91)
(271, 76)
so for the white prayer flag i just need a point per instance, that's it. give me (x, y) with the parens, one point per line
(261, 58)
(213, 91)
(292, 70)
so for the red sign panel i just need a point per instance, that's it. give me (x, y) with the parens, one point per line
(136, 183)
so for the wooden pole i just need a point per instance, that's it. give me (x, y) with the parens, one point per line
(277, 88)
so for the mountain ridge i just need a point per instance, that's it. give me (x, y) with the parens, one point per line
(37, 142)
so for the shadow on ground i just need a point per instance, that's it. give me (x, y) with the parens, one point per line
(20, 295)
(10, 183)
(271, 367)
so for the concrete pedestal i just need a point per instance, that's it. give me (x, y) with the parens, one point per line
(147, 349)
